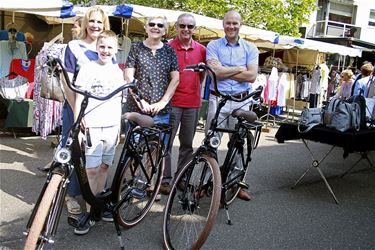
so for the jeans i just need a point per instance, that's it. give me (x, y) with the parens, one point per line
(67, 122)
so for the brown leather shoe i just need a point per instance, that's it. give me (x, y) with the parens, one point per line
(165, 188)
(244, 195)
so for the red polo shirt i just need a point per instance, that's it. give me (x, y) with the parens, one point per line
(188, 92)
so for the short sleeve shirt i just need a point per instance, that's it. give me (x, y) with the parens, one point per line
(242, 53)
(75, 51)
(101, 80)
(152, 73)
(188, 92)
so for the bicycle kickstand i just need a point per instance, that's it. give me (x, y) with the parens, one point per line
(118, 230)
(229, 221)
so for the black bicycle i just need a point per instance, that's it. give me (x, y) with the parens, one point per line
(134, 186)
(201, 185)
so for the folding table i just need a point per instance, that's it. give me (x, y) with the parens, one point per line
(361, 141)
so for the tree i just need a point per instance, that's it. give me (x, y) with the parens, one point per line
(282, 16)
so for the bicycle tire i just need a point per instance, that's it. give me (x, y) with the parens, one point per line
(231, 193)
(132, 211)
(192, 205)
(33, 239)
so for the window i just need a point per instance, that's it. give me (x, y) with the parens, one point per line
(371, 21)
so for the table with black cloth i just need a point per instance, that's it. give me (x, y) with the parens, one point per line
(361, 141)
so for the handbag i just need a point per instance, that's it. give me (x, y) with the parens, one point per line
(51, 84)
(310, 117)
(342, 115)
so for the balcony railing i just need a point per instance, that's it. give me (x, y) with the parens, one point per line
(334, 29)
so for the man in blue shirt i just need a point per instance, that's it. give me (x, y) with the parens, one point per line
(235, 62)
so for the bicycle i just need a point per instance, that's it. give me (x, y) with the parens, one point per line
(134, 186)
(201, 185)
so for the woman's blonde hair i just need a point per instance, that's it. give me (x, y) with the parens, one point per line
(86, 19)
(348, 73)
(163, 18)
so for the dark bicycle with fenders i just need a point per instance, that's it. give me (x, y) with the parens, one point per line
(135, 184)
(201, 185)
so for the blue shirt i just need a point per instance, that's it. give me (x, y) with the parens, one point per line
(242, 53)
(361, 86)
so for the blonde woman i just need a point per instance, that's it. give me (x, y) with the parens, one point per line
(77, 53)
(346, 82)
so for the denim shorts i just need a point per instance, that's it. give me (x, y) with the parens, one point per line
(104, 141)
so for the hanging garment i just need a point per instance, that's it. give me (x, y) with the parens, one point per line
(23, 68)
(282, 89)
(315, 82)
(46, 113)
(272, 84)
(305, 87)
(124, 45)
(13, 89)
(10, 50)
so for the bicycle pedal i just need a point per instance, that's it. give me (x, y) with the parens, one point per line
(243, 185)
(138, 193)
(106, 193)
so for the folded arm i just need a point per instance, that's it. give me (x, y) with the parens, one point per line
(237, 73)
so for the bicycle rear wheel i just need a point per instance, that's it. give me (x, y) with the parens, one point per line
(35, 238)
(192, 205)
(237, 170)
(139, 176)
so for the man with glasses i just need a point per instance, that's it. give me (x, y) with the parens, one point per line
(235, 62)
(186, 100)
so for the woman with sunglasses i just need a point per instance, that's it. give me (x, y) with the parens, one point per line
(154, 65)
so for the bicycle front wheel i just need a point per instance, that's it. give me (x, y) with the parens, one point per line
(192, 205)
(142, 178)
(35, 239)
(237, 170)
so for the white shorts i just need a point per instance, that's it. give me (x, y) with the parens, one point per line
(104, 141)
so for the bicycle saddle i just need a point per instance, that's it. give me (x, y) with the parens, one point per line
(249, 116)
(141, 120)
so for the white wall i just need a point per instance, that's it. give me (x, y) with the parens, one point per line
(362, 19)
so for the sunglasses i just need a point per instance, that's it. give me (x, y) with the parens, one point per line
(189, 26)
(160, 25)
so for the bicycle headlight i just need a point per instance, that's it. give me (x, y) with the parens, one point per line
(215, 142)
(62, 155)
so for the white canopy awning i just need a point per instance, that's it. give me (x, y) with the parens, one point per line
(207, 27)
(288, 42)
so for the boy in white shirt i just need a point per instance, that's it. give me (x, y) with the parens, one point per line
(102, 118)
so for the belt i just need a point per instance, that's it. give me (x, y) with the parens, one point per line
(237, 96)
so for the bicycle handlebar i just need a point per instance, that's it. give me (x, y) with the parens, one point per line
(200, 67)
(54, 61)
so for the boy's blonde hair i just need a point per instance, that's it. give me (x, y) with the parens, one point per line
(367, 69)
(107, 34)
(86, 19)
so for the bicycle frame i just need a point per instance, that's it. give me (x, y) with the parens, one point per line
(70, 157)
(236, 141)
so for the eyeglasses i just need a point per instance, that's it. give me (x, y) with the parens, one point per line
(160, 25)
(189, 26)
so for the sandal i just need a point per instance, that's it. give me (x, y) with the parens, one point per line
(72, 205)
